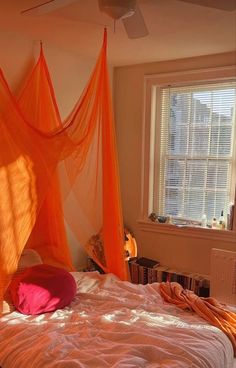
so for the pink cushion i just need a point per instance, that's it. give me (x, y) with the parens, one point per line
(42, 288)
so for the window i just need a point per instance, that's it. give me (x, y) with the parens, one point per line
(193, 149)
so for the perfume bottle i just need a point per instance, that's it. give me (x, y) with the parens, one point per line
(222, 220)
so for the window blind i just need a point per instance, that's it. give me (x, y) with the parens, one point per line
(196, 153)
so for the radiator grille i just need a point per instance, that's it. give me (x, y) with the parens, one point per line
(223, 276)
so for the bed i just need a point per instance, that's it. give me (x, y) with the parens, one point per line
(112, 323)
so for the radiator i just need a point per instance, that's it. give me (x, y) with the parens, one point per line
(223, 276)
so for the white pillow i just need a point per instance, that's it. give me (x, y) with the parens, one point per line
(29, 258)
(7, 307)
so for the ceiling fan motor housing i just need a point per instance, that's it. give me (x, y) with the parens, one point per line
(118, 9)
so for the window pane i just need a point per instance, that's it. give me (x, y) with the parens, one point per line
(200, 112)
(194, 204)
(217, 175)
(175, 173)
(179, 107)
(178, 142)
(215, 203)
(195, 174)
(173, 202)
(178, 128)
(198, 140)
(221, 141)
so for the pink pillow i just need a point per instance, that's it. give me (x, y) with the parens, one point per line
(42, 288)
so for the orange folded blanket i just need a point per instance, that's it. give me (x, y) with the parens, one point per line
(207, 308)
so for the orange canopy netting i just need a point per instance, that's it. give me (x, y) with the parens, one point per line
(38, 103)
(35, 145)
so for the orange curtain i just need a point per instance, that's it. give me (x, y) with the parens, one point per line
(35, 143)
(38, 103)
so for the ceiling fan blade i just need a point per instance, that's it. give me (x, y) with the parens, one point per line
(135, 25)
(228, 5)
(47, 7)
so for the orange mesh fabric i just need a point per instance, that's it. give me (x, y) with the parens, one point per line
(48, 237)
(34, 144)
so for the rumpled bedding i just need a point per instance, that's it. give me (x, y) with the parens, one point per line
(113, 323)
(208, 308)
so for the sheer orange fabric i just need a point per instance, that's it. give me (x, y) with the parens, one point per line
(34, 144)
(48, 237)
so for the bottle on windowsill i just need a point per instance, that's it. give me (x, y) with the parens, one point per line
(222, 221)
(214, 223)
(204, 221)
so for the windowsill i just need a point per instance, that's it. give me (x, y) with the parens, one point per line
(188, 231)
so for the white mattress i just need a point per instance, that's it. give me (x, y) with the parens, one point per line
(113, 324)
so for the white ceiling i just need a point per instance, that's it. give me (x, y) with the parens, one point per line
(176, 30)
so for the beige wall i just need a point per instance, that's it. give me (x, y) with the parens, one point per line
(69, 75)
(190, 253)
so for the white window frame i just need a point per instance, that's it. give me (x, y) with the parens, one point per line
(151, 85)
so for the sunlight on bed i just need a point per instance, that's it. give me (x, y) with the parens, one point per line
(151, 319)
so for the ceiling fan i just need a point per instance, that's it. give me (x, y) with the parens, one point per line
(126, 10)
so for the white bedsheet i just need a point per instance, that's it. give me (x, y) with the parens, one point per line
(113, 324)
